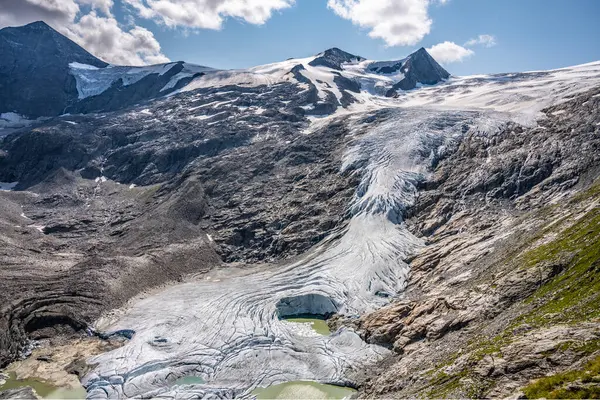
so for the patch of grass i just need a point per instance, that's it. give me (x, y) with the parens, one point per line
(577, 384)
(585, 348)
(443, 385)
(574, 294)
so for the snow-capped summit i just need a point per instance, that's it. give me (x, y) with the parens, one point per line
(64, 78)
(43, 73)
(334, 58)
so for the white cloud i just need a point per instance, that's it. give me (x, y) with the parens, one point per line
(101, 5)
(484, 40)
(21, 12)
(397, 22)
(103, 37)
(100, 35)
(207, 14)
(449, 52)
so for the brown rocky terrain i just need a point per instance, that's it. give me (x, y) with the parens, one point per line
(506, 289)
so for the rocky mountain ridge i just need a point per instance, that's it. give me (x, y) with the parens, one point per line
(103, 87)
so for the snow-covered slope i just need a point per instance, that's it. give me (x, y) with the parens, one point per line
(334, 78)
(338, 79)
(92, 81)
(522, 94)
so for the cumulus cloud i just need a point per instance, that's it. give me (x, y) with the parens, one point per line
(21, 12)
(483, 40)
(397, 22)
(207, 14)
(102, 5)
(101, 35)
(449, 52)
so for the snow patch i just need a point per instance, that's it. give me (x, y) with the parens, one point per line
(76, 65)
(7, 186)
(14, 120)
(92, 81)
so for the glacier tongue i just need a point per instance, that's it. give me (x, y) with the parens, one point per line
(227, 328)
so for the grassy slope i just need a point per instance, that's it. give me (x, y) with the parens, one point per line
(571, 297)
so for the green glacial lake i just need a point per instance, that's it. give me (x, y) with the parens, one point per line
(318, 323)
(303, 390)
(43, 389)
(189, 380)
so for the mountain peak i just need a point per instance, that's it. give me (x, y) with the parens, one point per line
(26, 52)
(38, 25)
(418, 68)
(338, 51)
(334, 58)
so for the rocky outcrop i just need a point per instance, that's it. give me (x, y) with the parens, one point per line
(418, 68)
(334, 58)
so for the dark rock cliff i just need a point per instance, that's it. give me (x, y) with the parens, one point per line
(34, 70)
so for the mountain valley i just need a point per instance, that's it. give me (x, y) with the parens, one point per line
(172, 222)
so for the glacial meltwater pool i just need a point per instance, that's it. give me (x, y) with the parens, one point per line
(303, 390)
(317, 323)
(43, 389)
(189, 380)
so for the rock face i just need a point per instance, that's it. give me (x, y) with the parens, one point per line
(40, 68)
(418, 68)
(34, 70)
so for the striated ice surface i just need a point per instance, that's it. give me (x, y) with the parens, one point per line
(227, 329)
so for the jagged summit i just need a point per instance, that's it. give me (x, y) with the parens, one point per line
(41, 39)
(418, 68)
(43, 73)
(334, 58)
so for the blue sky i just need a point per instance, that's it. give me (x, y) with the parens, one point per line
(521, 34)
(530, 34)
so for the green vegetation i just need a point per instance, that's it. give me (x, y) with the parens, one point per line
(578, 384)
(570, 297)
(574, 294)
